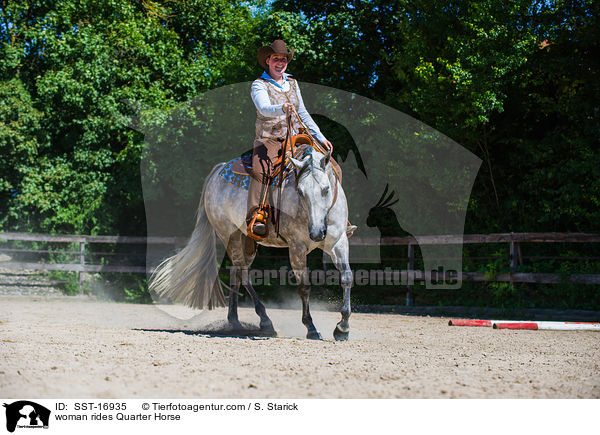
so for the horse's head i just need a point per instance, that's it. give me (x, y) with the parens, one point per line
(315, 190)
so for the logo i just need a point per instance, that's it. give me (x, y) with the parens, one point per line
(25, 414)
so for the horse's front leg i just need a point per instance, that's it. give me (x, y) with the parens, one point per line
(340, 256)
(298, 262)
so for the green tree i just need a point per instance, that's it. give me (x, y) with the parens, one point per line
(69, 66)
(515, 82)
(20, 142)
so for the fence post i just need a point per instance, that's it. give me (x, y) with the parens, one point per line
(82, 263)
(514, 255)
(409, 271)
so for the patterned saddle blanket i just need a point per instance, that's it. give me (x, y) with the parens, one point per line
(236, 171)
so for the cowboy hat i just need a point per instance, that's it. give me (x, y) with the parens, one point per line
(279, 47)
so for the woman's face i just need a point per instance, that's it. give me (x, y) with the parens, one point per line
(277, 64)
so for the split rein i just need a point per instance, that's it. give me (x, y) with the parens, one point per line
(281, 163)
(316, 146)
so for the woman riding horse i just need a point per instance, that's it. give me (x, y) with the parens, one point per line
(276, 95)
(317, 217)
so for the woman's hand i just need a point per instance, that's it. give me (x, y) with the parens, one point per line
(287, 108)
(328, 145)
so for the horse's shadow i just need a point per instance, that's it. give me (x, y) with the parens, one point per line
(220, 330)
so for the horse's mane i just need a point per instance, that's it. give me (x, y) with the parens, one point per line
(306, 151)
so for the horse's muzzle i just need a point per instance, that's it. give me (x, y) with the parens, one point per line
(319, 235)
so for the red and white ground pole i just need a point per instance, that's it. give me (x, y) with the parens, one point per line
(524, 324)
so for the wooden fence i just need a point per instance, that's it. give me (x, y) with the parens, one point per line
(81, 266)
(514, 241)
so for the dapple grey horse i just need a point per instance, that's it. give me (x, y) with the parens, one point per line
(315, 216)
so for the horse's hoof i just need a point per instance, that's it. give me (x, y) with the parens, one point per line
(235, 326)
(314, 335)
(339, 335)
(267, 330)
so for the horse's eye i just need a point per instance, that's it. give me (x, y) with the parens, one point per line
(325, 191)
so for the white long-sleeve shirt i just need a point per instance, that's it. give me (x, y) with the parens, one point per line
(260, 97)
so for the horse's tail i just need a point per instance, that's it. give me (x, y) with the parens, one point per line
(191, 276)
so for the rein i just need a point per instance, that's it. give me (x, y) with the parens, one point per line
(281, 163)
(315, 144)
(335, 192)
(282, 170)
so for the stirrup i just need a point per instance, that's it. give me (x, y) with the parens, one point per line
(259, 216)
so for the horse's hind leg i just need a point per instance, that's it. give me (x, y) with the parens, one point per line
(298, 262)
(241, 261)
(237, 257)
(266, 326)
(232, 314)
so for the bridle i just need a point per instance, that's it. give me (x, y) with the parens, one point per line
(316, 146)
(291, 141)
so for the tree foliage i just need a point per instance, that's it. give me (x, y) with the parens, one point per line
(515, 82)
(69, 161)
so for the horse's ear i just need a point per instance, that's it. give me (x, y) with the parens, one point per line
(325, 160)
(298, 164)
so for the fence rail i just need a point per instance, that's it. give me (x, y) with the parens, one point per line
(81, 267)
(513, 239)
